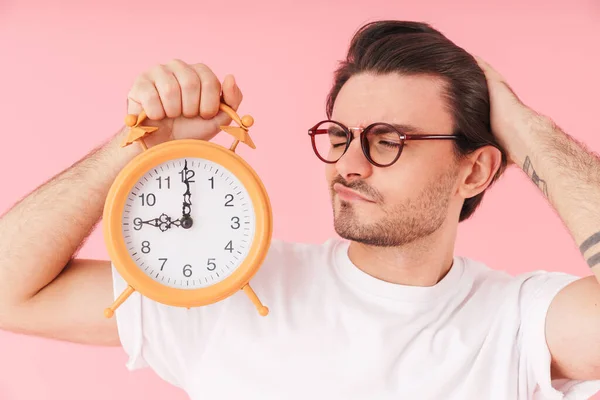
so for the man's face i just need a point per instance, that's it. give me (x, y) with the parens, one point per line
(410, 199)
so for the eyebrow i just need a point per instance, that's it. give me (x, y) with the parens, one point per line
(410, 129)
(404, 128)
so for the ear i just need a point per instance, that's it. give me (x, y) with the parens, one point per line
(477, 170)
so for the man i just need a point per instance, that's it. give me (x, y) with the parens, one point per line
(386, 312)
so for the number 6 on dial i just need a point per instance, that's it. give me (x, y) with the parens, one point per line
(187, 222)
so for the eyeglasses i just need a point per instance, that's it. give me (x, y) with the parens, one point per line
(381, 143)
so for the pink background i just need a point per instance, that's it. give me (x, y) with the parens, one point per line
(67, 65)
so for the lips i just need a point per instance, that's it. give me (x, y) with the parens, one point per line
(348, 194)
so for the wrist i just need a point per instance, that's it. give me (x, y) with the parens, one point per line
(114, 154)
(531, 134)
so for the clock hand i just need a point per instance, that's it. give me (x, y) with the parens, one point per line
(186, 218)
(164, 222)
(187, 202)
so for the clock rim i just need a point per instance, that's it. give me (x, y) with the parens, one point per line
(115, 205)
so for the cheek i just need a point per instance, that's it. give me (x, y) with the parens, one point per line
(402, 181)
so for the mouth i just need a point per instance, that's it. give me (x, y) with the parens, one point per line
(349, 195)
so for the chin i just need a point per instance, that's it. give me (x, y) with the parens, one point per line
(353, 223)
(354, 232)
(366, 226)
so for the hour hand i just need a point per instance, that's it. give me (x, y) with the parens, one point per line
(164, 222)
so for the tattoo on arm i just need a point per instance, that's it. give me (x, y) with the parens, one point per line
(588, 244)
(540, 183)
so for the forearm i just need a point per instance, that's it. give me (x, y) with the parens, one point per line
(42, 232)
(568, 175)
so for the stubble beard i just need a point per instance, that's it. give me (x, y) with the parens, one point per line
(401, 224)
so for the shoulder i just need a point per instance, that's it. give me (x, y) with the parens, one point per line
(527, 291)
(484, 275)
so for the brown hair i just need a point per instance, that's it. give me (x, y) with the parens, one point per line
(407, 47)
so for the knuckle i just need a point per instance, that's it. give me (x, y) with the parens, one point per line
(170, 88)
(139, 83)
(157, 70)
(177, 63)
(201, 66)
(147, 97)
(189, 82)
(142, 91)
(133, 94)
(162, 68)
(211, 83)
(204, 72)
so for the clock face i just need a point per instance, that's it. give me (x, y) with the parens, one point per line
(188, 223)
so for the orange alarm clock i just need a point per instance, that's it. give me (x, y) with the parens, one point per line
(187, 222)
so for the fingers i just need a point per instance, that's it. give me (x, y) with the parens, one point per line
(496, 80)
(210, 91)
(144, 96)
(232, 96)
(190, 84)
(482, 64)
(168, 90)
(488, 70)
(177, 89)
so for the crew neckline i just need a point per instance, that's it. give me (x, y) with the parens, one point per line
(376, 287)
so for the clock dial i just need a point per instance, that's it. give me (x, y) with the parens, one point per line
(188, 223)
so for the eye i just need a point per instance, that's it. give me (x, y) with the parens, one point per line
(390, 144)
(337, 138)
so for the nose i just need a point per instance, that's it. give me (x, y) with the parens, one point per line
(353, 164)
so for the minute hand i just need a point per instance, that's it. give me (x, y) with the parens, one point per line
(187, 202)
(186, 219)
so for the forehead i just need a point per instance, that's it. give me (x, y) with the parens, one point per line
(416, 100)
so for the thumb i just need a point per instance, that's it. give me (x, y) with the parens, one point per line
(232, 95)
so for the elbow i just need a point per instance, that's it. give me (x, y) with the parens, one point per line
(7, 319)
(12, 316)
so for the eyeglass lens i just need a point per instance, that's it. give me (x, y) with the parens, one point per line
(381, 143)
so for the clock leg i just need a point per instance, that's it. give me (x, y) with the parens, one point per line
(110, 311)
(142, 144)
(262, 310)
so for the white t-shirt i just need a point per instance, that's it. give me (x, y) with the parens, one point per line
(334, 332)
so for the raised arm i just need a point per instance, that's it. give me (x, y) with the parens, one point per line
(45, 289)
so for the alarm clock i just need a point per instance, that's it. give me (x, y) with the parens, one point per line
(187, 222)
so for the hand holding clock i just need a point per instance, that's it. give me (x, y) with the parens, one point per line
(182, 100)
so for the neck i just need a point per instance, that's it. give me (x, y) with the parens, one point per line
(423, 262)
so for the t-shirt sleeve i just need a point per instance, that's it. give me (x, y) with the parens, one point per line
(167, 339)
(538, 291)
